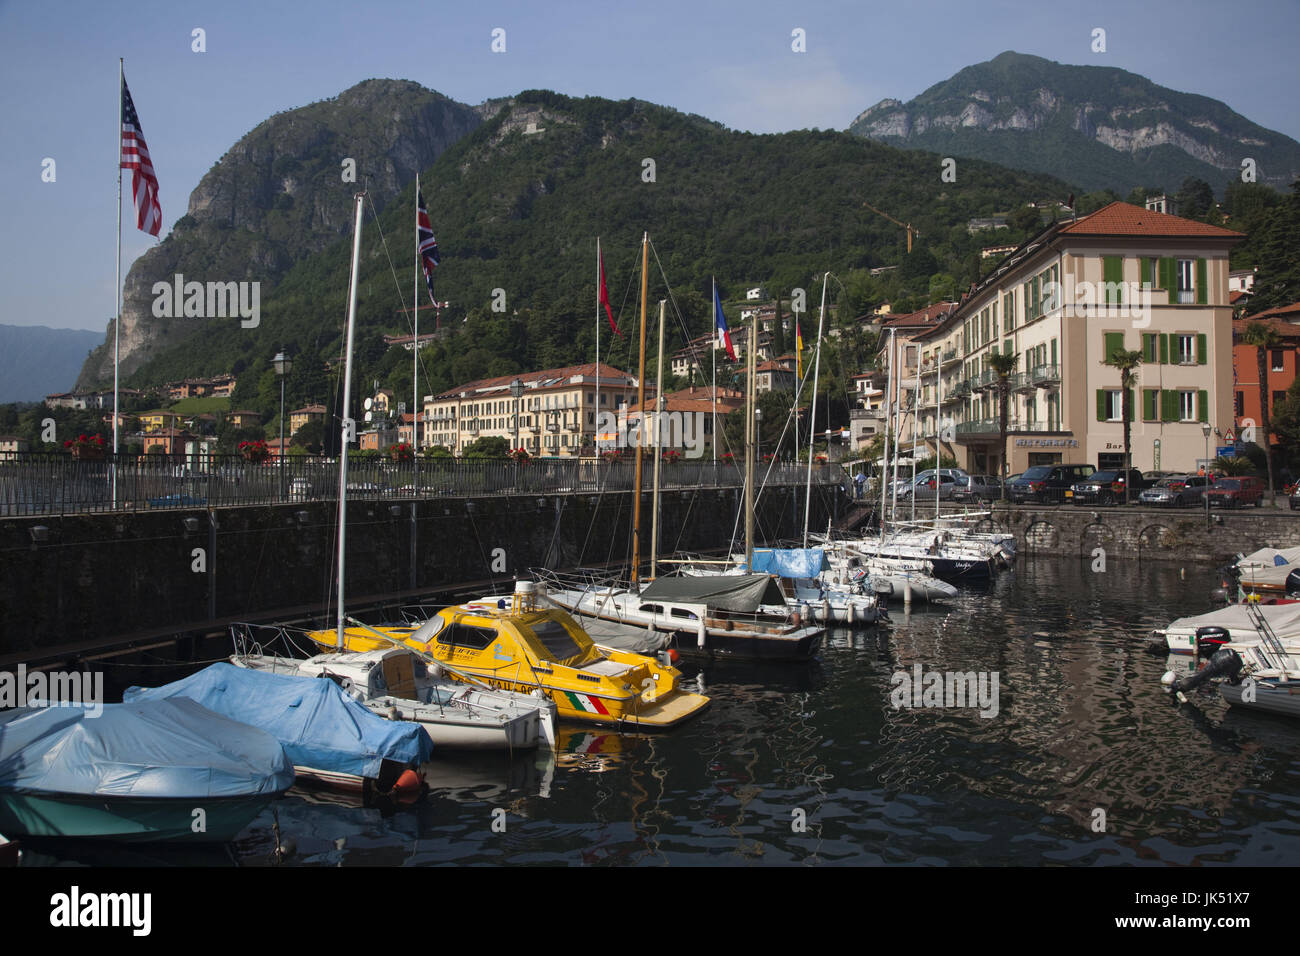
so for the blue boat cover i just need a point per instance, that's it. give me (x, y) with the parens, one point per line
(320, 726)
(164, 748)
(791, 562)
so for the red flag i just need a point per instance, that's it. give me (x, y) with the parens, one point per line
(604, 295)
(135, 157)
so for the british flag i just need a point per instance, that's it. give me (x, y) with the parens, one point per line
(135, 157)
(426, 245)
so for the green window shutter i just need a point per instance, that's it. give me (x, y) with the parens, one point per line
(1053, 351)
(1144, 267)
(1006, 346)
(1112, 271)
(1200, 349)
(1164, 349)
(1202, 281)
(1132, 406)
(1147, 346)
(1169, 278)
(1149, 399)
(1110, 343)
(1202, 406)
(1168, 405)
(1101, 405)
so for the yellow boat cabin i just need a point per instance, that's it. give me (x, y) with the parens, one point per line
(521, 648)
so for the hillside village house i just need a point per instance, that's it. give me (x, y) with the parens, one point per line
(1280, 366)
(557, 409)
(1062, 303)
(11, 446)
(301, 416)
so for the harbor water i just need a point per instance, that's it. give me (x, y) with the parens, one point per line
(1081, 759)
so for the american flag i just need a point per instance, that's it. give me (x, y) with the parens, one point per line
(135, 157)
(426, 245)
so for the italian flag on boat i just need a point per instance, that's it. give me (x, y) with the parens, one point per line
(583, 702)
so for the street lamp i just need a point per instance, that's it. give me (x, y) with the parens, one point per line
(1205, 430)
(516, 390)
(283, 366)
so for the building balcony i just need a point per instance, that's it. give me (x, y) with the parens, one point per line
(984, 380)
(960, 391)
(1022, 382)
(948, 358)
(985, 429)
(1044, 376)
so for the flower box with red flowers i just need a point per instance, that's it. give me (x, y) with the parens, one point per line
(254, 451)
(87, 447)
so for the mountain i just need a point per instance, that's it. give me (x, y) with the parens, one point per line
(36, 361)
(518, 203)
(280, 194)
(1097, 127)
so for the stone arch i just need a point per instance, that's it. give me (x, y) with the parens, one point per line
(1157, 537)
(1096, 535)
(987, 524)
(1041, 535)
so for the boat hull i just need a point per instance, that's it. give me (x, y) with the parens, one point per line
(1272, 698)
(749, 647)
(131, 819)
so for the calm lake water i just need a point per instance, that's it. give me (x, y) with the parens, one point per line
(812, 765)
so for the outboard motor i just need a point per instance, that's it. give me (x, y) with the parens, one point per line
(1292, 585)
(1225, 663)
(1209, 640)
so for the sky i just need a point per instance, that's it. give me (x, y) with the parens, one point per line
(729, 60)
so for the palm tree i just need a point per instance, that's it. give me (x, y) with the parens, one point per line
(1004, 365)
(1127, 363)
(1263, 337)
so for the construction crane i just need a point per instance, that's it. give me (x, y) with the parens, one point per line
(906, 225)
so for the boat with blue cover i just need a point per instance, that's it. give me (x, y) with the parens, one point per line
(145, 771)
(330, 738)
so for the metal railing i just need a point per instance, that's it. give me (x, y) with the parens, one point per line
(1045, 374)
(41, 484)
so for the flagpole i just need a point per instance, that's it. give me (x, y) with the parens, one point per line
(713, 352)
(117, 283)
(596, 434)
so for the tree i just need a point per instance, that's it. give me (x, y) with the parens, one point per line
(1195, 198)
(1263, 337)
(778, 330)
(1025, 220)
(1127, 363)
(310, 435)
(1004, 365)
(489, 446)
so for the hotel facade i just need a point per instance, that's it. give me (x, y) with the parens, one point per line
(1121, 278)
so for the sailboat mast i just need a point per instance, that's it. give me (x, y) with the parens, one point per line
(916, 428)
(349, 426)
(750, 374)
(596, 434)
(640, 404)
(938, 430)
(812, 405)
(415, 342)
(659, 453)
(713, 355)
(884, 464)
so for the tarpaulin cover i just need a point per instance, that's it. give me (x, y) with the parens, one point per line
(740, 593)
(791, 562)
(320, 726)
(1284, 619)
(161, 748)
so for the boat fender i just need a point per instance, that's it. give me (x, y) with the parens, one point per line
(826, 611)
(796, 619)
(1225, 663)
(701, 633)
(408, 782)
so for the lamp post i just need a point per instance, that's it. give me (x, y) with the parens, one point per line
(516, 390)
(283, 366)
(1205, 430)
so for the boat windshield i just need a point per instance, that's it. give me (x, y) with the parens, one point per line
(552, 635)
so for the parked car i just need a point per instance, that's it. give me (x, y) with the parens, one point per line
(977, 488)
(924, 485)
(1236, 492)
(1047, 483)
(1176, 491)
(1108, 487)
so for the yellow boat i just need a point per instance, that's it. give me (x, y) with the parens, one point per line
(522, 647)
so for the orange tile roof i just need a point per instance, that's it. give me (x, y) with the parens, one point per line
(1124, 219)
(564, 374)
(1281, 310)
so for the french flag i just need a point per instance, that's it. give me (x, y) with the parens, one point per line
(720, 320)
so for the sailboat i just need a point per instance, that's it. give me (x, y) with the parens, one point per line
(389, 678)
(736, 616)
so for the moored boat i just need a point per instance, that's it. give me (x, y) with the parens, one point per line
(137, 771)
(518, 646)
(330, 738)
